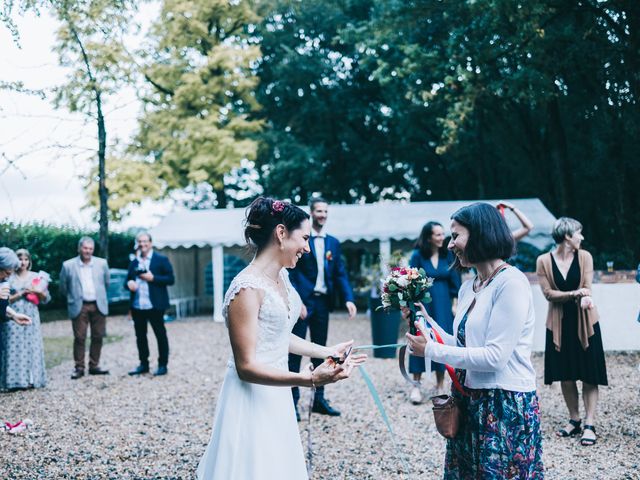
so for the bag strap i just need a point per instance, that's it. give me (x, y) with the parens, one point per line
(402, 354)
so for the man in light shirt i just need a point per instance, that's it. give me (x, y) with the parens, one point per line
(84, 280)
(316, 278)
(147, 279)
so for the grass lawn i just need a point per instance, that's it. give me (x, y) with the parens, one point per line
(59, 349)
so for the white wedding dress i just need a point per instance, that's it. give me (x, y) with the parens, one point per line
(255, 433)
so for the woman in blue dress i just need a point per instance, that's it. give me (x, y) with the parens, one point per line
(432, 255)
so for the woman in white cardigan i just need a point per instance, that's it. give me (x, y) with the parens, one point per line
(500, 434)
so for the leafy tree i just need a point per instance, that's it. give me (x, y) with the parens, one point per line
(328, 126)
(472, 99)
(199, 107)
(128, 182)
(89, 43)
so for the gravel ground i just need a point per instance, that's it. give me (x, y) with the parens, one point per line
(119, 427)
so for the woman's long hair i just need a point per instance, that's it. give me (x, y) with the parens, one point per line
(423, 244)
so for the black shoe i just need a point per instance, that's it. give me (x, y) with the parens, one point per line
(575, 430)
(139, 370)
(297, 413)
(77, 373)
(321, 406)
(161, 371)
(98, 371)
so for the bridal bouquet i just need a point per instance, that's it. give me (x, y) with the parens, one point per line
(40, 284)
(403, 287)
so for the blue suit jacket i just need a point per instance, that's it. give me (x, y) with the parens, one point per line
(303, 276)
(162, 277)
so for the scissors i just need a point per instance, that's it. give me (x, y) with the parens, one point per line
(340, 360)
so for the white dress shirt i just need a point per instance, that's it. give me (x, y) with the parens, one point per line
(86, 280)
(142, 301)
(498, 335)
(318, 243)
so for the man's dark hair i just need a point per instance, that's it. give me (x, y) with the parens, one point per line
(489, 235)
(314, 200)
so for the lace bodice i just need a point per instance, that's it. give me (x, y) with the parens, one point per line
(275, 318)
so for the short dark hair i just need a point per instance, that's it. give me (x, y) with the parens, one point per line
(489, 235)
(423, 244)
(264, 214)
(314, 200)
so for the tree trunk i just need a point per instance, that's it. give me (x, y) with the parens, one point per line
(103, 194)
(481, 164)
(221, 198)
(618, 165)
(557, 148)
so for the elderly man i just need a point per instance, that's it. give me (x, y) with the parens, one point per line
(147, 279)
(8, 263)
(84, 280)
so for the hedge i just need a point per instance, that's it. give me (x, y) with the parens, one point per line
(51, 245)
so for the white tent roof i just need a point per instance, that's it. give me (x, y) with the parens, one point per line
(372, 221)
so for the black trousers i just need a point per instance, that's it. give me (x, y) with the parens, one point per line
(156, 319)
(317, 322)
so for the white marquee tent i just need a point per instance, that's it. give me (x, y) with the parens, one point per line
(383, 222)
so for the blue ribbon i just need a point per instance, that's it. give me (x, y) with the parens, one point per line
(383, 412)
(375, 347)
(376, 400)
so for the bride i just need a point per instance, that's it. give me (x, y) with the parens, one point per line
(255, 434)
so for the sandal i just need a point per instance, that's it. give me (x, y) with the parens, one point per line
(588, 441)
(563, 432)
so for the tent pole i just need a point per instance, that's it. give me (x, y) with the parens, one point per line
(385, 254)
(217, 271)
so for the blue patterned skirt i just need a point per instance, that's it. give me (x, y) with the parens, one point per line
(500, 437)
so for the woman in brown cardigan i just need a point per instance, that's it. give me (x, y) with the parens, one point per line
(574, 345)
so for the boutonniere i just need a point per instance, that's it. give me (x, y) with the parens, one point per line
(328, 255)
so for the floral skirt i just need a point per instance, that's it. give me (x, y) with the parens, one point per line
(500, 437)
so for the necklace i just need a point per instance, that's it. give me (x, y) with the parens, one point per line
(483, 282)
(277, 282)
(264, 274)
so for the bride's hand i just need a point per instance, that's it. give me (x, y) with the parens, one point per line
(329, 372)
(338, 350)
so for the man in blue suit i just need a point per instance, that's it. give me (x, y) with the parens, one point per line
(147, 279)
(316, 277)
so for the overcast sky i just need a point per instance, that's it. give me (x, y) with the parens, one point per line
(50, 149)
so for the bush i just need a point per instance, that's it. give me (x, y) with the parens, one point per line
(50, 246)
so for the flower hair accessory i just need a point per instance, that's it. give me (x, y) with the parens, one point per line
(277, 207)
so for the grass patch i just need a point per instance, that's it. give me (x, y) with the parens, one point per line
(53, 314)
(59, 349)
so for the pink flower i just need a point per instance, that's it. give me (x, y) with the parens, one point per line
(278, 206)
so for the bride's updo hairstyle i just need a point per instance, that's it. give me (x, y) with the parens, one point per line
(264, 214)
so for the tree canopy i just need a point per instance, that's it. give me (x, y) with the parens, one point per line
(363, 100)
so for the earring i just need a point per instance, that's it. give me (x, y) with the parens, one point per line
(281, 247)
